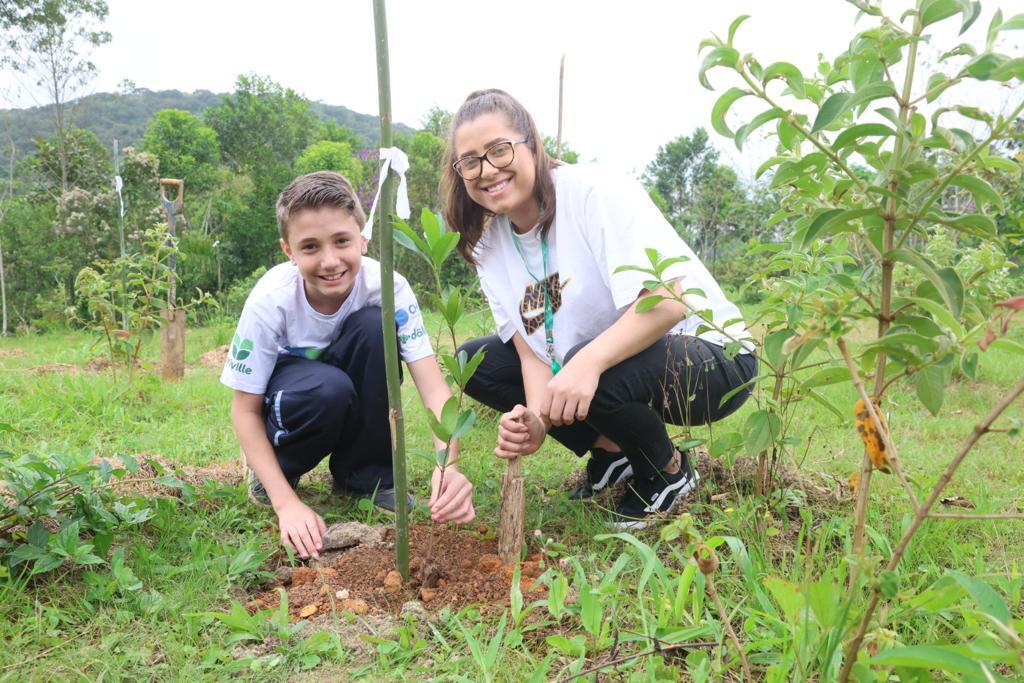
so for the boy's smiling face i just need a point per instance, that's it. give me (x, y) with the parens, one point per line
(328, 249)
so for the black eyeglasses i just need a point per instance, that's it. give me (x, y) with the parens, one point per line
(498, 155)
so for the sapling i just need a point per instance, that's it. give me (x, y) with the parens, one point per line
(434, 246)
(866, 105)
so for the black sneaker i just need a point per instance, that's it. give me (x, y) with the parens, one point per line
(603, 469)
(257, 493)
(383, 499)
(646, 498)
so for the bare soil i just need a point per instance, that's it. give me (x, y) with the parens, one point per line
(215, 358)
(448, 567)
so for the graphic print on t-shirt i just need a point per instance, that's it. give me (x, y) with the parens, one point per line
(531, 307)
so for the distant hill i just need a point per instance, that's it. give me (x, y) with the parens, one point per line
(124, 116)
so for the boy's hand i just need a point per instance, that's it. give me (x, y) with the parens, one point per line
(520, 432)
(451, 500)
(301, 529)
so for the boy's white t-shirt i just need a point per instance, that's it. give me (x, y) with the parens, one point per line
(277, 319)
(603, 221)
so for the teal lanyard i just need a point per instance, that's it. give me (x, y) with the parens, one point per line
(549, 313)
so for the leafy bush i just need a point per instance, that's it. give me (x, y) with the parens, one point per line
(60, 511)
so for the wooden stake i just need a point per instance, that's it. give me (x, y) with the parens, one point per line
(172, 344)
(513, 507)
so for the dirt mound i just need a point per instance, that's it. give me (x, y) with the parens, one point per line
(448, 568)
(743, 475)
(12, 353)
(61, 368)
(215, 358)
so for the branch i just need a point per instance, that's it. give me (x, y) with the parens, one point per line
(923, 512)
(659, 649)
(890, 447)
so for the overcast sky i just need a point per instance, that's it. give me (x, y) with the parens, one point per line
(630, 79)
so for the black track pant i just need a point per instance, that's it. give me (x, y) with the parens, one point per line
(337, 406)
(678, 379)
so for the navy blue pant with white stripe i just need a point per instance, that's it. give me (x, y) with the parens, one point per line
(336, 405)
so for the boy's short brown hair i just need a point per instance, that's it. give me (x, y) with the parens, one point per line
(323, 189)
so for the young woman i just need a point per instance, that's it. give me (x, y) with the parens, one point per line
(573, 356)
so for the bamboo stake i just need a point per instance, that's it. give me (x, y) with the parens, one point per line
(387, 286)
(561, 91)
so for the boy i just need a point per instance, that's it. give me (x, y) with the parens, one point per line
(307, 366)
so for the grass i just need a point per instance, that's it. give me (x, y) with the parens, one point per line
(197, 555)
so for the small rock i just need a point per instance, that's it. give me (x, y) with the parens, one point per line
(355, 605)
(531, 569)
(427, 594)
(348, 534)
(342, 594)
(283, 574)
(307, 611)
(414, 564)
(482, 529)
(303, 575)
(488, 563)
(254, 605)
(325, 589)
(393, 582)
(415, 608)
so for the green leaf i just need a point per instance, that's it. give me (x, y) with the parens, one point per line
(38, 535)
(794, 79)
(937, 84)
(940, 313)
(862, 130)
(983, 66)
(726, 443)
(735, 25)
(464, 423)
(930, 657)
(832, 108)
(975, 224)
(937, 10)
(982, 191)
(769, 164)
(721, 107)
(930, 385)
(988, 600)
(830, 218)
(743, 132)
(760, 431)
(576, 647)
(772, 348)
(720, 56)
(1014, 23)
(1000, 163)
(788, 595)
(828, 376)
(1013, 68)
(408, 238)
(648, 302)
(947, 289)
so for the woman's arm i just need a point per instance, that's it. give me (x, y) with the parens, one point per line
(571, 390)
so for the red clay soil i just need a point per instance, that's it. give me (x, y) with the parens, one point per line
(447, 567)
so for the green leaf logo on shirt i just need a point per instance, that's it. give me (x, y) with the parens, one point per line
(240, 348)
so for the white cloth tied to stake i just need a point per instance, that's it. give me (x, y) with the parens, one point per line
(394, 160)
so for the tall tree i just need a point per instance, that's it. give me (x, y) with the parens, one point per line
(50, 42)
(680, 167)
(185, 147)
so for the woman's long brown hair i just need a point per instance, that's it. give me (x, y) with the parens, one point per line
(462, 213)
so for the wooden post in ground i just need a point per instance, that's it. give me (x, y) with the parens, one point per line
(172, 332)
(513, 507)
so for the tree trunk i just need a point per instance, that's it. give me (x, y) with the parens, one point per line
(3, 290)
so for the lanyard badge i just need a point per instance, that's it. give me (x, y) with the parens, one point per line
(549, 311)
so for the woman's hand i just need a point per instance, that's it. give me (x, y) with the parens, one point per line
(570, 391)
(451, 499)
(520, 432)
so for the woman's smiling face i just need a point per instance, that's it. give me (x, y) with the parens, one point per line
(507, 190)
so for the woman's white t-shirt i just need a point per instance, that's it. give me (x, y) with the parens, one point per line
(603, 221)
